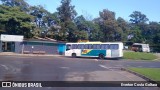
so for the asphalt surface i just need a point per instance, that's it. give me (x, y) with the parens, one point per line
(38, 68)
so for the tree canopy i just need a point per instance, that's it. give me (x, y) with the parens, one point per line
(17, 17)
(15, 22)
(137, 17)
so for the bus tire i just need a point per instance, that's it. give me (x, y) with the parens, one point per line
(101, 56)
(74, 55)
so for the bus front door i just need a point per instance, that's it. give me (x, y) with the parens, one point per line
(108, 53)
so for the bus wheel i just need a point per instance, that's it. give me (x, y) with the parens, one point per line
(101, 56)
(73, 55)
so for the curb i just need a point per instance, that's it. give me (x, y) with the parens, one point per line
(158, 59)
(142, 76)
(142, 60)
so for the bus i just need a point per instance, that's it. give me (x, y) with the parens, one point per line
(140, 47)
(95, 49)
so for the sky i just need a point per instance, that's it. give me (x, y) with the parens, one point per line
(122, 8)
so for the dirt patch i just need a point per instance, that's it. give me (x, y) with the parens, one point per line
(158, 55)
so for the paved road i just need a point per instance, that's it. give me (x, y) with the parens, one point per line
(132, 63)
(23, 68)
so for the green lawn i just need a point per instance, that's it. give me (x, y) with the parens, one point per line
(139, 56)
(152, 73)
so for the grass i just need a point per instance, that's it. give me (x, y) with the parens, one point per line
(152, 73)
(139, 56)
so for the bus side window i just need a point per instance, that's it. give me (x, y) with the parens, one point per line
(114, 46)
(79, 46)
(104, 46)
(86, 46)
(74, 46)
(90, 46)
(94, 46)
(107, 46)
(98, 46)
(82, 46)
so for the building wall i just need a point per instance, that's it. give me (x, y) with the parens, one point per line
(18, 47)
(61, 48)
(47, 49)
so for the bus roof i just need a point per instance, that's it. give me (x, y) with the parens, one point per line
(98, 43)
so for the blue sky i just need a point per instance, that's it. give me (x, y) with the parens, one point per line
(122, 8)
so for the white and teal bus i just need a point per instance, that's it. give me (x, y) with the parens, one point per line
(95, 49)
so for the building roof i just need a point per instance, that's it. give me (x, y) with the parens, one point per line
(42, 41)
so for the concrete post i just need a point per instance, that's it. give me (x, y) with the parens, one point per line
(0, 46)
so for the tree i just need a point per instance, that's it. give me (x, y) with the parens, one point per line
(80, 22)
(91, 30)
(24, 6)
(137, 17)
(124, 26)
(107, 15)
(137, 37)
(138, 23)
(66, 11)
(109, 26)
(153, 32)
(43, 20)
(16, 22)
(156, 39)
(66, 14)
(54, 26)
(96, 34)
(2, 28)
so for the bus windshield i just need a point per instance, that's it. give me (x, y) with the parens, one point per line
(68, 47)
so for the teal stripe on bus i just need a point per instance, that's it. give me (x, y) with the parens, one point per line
(95, 53)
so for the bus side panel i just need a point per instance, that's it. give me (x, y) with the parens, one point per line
(70, 52)
(115, 53)
(121, 47)
(77, 51)
(93, 52)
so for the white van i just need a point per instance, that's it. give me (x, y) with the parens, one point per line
(139, 47)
